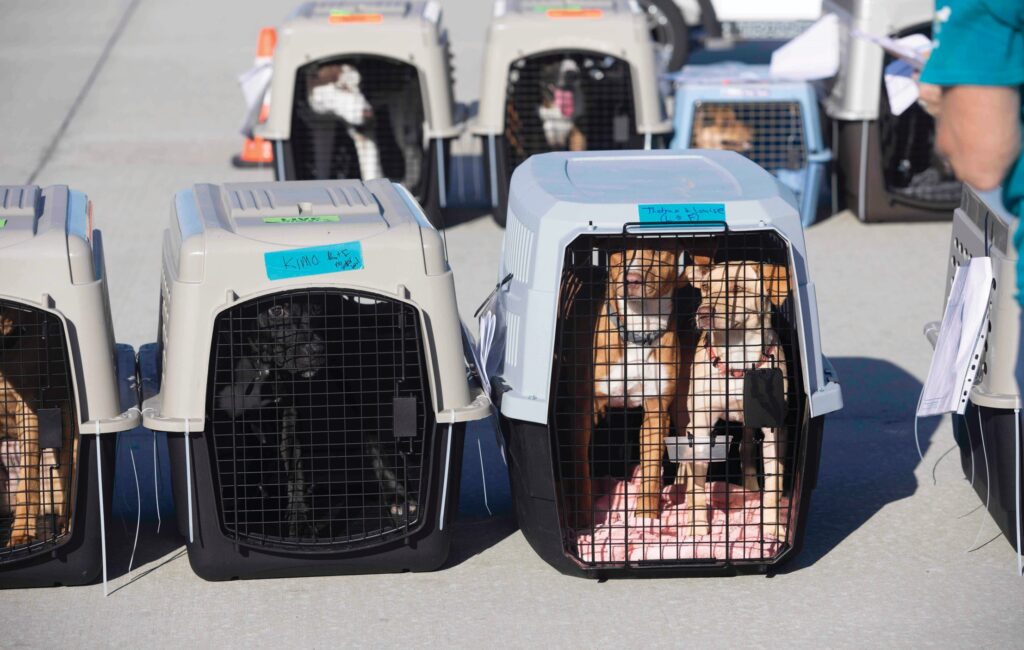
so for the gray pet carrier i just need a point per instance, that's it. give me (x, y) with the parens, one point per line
(59, 403)
(362, 89)
(887, 167)
(314, 383)
(565, 76)
(988, 434)
(628, 450)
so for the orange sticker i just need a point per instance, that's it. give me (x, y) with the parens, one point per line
(341, 18)
(575, 13)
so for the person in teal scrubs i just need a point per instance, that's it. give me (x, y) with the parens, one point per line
(978, 61)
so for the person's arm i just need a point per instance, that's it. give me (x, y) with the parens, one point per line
(979, 132)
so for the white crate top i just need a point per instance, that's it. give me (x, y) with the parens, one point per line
(544, 9)
(367, 11)
(211, 220)
(43, 227)
(605, 191)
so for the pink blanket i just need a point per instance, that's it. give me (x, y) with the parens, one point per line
(618, 535)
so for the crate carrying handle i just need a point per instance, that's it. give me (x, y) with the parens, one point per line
(636, 227)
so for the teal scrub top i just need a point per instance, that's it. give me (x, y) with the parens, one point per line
(981, 43)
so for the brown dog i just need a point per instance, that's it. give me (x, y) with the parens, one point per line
(718, 127)
(635, 364)
(36, 480)
(736, 335)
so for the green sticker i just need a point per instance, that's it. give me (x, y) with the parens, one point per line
(320, 219)
(3, 223)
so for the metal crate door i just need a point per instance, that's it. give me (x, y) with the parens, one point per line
(655, 465)
(38, 433)
(320, 420)
(359, 117)
(568, 100)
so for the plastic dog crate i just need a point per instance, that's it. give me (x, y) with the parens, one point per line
(886, 164)
(314, 384)
(774, 123)
(615, 454)
(59, 401)
(362, 89)
(565, 76)
(990, 450)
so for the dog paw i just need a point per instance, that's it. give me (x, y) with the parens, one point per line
(49, 526)
(401, 511)
(19, 538)
(750, 483)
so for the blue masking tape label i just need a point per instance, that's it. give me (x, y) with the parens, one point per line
(315, 260)
(682, 212)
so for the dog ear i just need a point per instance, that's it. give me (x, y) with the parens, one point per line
(776, 282)
(6, 325)
(698, 269)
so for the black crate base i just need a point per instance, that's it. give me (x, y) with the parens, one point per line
(78, 561)
(536, 501)
(999, 446)
(214, 556)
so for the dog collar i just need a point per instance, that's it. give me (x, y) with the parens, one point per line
(767, 354)
(645, 338)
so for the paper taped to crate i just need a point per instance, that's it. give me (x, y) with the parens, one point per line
(255, 83)
(812, 55)
(961, 336)
(900, 86)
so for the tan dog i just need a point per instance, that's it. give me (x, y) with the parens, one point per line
(635, 364)
(718, 127)
(30, 473)
(736, 335)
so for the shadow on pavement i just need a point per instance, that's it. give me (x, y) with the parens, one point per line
(868, 453)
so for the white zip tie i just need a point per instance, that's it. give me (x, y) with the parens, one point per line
(483, 475)
(156, 485)
(103, 516)
(444, 484)
(188, 481)
(988, 484)
(1016, 445)
(138, 517)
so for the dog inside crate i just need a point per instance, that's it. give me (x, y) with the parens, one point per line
(770, 133)
(320, 418)
(38, 450)
(568, 101)
(359, 117)
(677, 414)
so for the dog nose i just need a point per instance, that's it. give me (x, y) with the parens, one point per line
(633, 277)
(705, 311)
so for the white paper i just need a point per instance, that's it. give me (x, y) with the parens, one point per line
(254, 82)
(814, 54)
(953, 365)
(913, 49)
(900, 86)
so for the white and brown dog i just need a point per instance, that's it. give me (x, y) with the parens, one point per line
(734, 318)
(336, 91)
(635, 363)
(718, 127)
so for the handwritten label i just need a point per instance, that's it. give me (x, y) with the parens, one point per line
(320, 219)
(682, 213)
(3, 223)
(316, 260)
(344, 17)
(574, 13)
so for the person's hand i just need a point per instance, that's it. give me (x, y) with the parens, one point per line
(930, 97)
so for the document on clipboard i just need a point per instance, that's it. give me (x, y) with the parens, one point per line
(960, 342)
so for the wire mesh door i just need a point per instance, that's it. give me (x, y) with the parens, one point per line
(912, 169)
(771, 133)
(359, 117)
(678, 404)
(320, 419)
(38, 441)
(575, 101)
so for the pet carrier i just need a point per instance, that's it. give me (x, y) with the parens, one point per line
(990, 444)
(59, 401)
(314, 385)
(564, 76)
(886, 164)
(774, 123)
(661, 385)
(362, 89)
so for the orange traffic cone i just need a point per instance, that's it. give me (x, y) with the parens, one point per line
(257, 152)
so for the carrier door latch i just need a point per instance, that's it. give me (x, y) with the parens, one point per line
(404, 417)
(51, 428)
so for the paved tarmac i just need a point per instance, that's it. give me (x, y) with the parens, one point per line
(131, 101)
